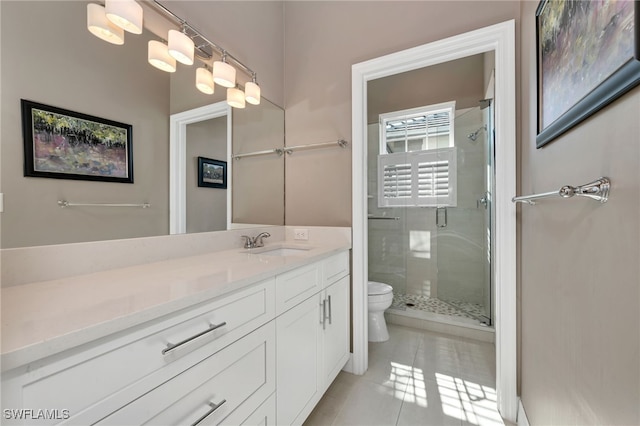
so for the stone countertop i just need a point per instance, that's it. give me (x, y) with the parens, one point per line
(45, 318)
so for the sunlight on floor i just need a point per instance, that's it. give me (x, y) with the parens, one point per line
(461, 399)
(468, 401)
(415, 391)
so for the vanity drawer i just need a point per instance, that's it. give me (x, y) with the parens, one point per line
(237, 379)
(296, 286)
(110, 373)
(335, 267)
(265, 415)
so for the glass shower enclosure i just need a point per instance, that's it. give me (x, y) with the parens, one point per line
(430, 185)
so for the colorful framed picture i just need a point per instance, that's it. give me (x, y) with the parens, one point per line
(212, 173)
(588, 55)
(63, 144)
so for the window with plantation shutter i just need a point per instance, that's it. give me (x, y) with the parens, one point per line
(417, 162)
(418, 179)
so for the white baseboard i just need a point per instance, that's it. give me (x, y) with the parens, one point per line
(349, 365)
(522, 416)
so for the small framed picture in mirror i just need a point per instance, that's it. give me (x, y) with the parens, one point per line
(212, 173)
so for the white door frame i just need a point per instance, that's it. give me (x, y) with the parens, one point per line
(178, 161)
(501, 39)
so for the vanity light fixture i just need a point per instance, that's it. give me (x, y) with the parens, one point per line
(181, 46)
(235, 97)
(158, 56)
(223, 73)
(204, 80)
(127, 14)
(252, 91)
(110, 22)
(101, 27)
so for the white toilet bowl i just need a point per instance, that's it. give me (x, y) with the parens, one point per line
(379, 297)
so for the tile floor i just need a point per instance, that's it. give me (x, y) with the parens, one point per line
(417, 377)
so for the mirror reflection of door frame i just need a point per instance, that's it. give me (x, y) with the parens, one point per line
(178, 161)
(501, 39)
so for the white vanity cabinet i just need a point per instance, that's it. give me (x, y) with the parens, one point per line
(312, 337)
(261, 355)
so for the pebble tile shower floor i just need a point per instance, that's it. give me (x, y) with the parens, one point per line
(433, 305)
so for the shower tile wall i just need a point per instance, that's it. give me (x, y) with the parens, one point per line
(412, 254)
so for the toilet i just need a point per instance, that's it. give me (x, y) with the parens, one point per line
(379, 297)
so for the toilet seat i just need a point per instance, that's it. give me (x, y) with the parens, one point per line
(376, 288)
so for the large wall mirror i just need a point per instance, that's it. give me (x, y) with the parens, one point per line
(58, 62)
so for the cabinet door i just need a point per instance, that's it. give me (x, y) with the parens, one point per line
(299, 361)
(336, 330)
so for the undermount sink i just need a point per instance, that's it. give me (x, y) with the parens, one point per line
(284, 251)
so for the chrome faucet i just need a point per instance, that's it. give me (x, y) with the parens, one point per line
(255, 241)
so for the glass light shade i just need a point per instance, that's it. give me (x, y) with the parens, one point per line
(235, 97)
(127, 14)
(101, 27)
(204, 81)
(181, 47)
(252, 93)
(224, 74)
(158, 56)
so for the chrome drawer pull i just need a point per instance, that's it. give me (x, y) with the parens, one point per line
(214, 407)
(330, 310)
(212, 327)
(324, 313)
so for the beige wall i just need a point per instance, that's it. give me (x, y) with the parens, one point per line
(36, 65)
(580, 265)
(460, 80)
(206, 207)
(323, 40)
(258, 182)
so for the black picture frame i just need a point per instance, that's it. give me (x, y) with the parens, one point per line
(64, 144)
(625, 74)
(212, 173)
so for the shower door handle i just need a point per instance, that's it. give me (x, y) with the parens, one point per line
(444, 224)
(484, 201)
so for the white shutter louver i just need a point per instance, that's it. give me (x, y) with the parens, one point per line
(418, 179)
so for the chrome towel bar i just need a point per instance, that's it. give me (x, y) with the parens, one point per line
(289, 150)
(278, 151)
(65, 203)
(340, 142)
(596, 190)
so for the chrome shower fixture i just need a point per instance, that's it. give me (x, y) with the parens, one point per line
(474, 136)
